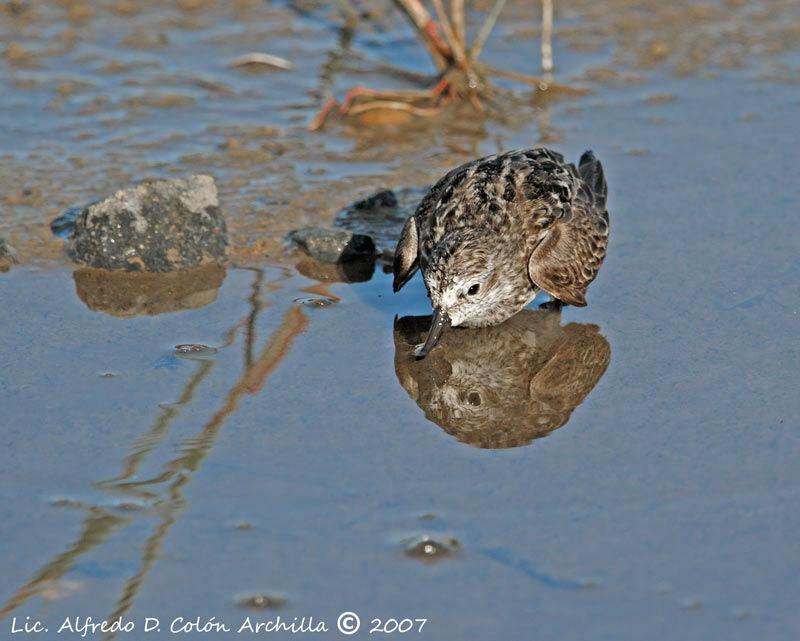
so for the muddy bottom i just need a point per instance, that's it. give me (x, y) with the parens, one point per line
(256, 440)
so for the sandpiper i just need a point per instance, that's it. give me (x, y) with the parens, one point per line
(494, 232)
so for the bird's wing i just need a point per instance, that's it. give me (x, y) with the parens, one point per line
(570, 257)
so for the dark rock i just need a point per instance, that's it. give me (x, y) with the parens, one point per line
(385, 198)
(65, 223)
(382, 215)
(333, 246)
(157, 226)
(8, 256)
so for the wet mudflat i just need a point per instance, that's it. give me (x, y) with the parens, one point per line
(302, 465)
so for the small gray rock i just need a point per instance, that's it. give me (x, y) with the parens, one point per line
(333, 245)
(157, 226)
(8, 256)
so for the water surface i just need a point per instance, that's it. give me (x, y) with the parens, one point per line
(291, 458)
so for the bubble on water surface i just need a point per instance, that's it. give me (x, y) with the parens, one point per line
(316, 301)
(432, 548)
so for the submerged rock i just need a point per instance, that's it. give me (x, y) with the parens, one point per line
(8, 256)
(382, 215)
(157, 226)
(261, 601)
(331, 246)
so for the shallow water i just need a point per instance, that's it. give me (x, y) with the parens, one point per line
(294, 458)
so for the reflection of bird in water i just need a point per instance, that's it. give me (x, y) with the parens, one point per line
(502, 386)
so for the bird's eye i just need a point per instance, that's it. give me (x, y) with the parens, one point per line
(474, 399)
(473, 289)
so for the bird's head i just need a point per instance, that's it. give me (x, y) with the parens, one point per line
(466, 283)
(461, 281)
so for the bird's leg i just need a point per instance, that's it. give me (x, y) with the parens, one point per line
(441, 86)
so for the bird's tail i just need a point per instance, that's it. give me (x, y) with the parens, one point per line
(592, 173)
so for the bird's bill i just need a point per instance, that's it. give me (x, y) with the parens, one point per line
(440, 321)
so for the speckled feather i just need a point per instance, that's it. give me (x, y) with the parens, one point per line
(512, 224)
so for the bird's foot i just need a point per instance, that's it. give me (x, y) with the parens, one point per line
(553, 305)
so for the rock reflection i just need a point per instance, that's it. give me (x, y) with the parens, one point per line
(351, 271)
(504, 386)
(129, 294)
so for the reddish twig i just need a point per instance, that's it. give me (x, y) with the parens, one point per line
(428, 30)
(440, 87)
(319, 119)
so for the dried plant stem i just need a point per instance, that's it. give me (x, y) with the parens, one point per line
(428, 32)
(461, 76)
(387, 94)
(397, 106)
(486, 29)
(457, 18)
(458, 50)
(547, 36)
(536, 81)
